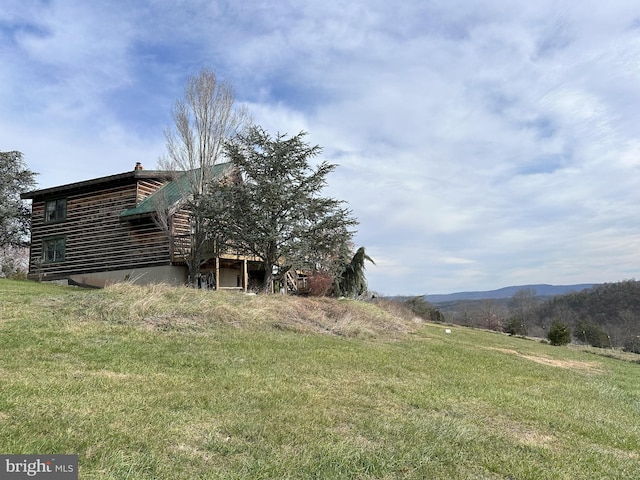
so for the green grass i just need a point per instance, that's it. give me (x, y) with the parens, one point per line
(162, 383)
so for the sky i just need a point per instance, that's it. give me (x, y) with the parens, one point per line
(479, 144)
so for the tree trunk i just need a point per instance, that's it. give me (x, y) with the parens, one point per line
(267, 286)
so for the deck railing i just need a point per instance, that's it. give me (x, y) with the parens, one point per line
(181, 249)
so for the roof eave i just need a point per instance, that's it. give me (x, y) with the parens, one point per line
(136, 174)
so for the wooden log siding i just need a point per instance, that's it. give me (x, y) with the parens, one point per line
(181, 223)
(146, 187)
(96, 238)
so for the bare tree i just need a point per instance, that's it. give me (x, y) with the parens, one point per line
(14, 261)
(203, 120)
(522, 307)
(492, 316)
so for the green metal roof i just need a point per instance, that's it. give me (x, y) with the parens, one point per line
(170, 193)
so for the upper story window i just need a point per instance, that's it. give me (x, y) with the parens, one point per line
(55, 210)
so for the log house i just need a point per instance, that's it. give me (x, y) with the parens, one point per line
(102, 231)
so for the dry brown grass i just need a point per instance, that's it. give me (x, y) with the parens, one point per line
(165, 308)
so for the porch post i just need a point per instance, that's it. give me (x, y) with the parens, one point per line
(245, 272)
(217, 273)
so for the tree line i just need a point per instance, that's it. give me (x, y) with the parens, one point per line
(605, 316)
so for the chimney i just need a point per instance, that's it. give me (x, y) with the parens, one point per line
(138, 166)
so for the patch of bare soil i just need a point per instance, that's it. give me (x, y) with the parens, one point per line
(590, 367)
(525, 435)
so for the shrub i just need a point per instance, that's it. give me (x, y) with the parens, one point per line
(515, 326)
(14, 262)
(632, 345)
(559, 333)
(491, 321)
(437, 316)
(423, 309)
(319, 284)
(592, 334)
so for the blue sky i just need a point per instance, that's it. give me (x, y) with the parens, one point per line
(481, 144)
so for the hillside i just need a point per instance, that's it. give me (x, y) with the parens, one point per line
(541, 290)
(163, 383)
(605, 315)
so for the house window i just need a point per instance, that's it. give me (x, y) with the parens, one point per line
(55, 210)
(53, 250)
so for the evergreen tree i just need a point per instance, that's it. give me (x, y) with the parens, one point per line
(275, 211)
(15, 216)
(559, 333)
(352, 281)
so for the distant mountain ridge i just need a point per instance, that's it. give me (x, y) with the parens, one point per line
(541, 290)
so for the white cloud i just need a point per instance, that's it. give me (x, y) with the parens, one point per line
(479, 144)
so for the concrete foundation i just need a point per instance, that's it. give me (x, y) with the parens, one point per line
(172, 275)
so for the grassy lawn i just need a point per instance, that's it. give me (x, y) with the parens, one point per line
(177, 384)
